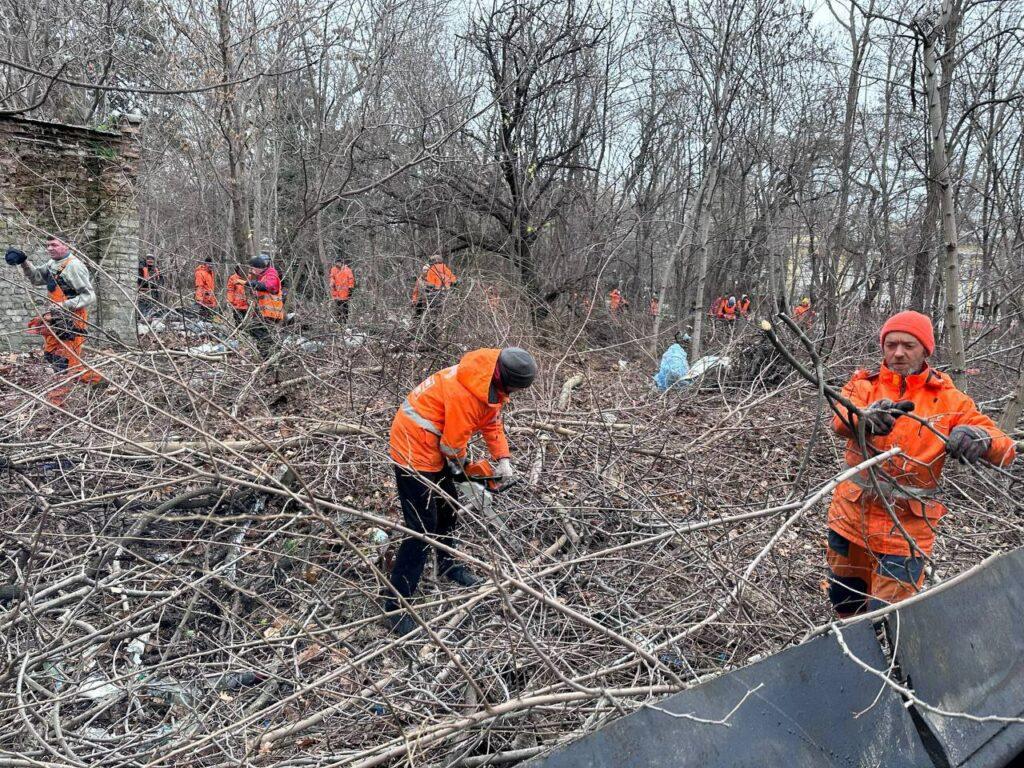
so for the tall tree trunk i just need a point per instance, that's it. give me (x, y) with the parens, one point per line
(710, 175)
(940, 167)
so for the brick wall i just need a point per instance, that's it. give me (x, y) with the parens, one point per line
(80, 181)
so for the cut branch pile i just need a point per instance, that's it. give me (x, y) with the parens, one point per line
(194, 558)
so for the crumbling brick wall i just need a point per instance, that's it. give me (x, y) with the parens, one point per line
(80, 181)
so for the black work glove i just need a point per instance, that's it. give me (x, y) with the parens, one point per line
(14, 257)
(880, 417)
(968, 444)
(256, 285)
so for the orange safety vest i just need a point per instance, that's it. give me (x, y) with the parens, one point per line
(615, 300)
(56, 291)
(342, 281)
(270, 305)
(728, 313)
(438, 276)
(744, 306)
(205, 286)
(236, 292)
(856, 513)
(438, 418)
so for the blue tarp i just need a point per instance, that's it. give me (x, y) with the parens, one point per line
(674, 366)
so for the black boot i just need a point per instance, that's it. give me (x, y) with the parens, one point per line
(462, 576)
(400, 624)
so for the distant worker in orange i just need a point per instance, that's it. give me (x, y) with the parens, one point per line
(65, 323)
(342, 281)
(729, 309)
(744, 305)
(265, 284)
(149, 281)
(432, 284)
(236, 297)
(872, 563)
(654, 308)
(803, 313)
(429, 438)
(716, 308)
(616, 301)
(206, 290)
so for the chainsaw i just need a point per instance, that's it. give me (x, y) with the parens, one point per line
(482, 473)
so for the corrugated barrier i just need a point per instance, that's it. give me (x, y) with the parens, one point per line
(962, 649)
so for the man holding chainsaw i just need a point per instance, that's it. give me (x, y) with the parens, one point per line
(429, 439)
(905, 403)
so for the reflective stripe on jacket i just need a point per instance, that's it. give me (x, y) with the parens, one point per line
(438, 418)
(856, 512)
(270, 302)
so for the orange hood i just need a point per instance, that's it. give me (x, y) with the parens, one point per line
(476, 373)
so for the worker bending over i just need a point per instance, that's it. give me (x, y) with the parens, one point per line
(429, 438)
(65, 324)
(872, 563)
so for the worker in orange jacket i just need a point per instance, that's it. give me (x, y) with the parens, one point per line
(206, 290)
(65, 324)
(265, 284)
(342, 281)
(872, 563)
(429, 438)
(716, 308)
(616, 301)
(744, 305)
(236, 297)
(803, 313)
(729, 309)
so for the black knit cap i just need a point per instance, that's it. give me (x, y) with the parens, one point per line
(517, 368)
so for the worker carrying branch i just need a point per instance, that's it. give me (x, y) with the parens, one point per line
(905, 403)
(430, 435)
(65, 324)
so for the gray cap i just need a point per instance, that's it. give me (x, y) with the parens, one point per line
(517, 368)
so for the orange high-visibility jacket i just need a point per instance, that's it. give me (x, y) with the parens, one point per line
(616, 300)
(439, 277)
(205, 294)
(439, 417)
(728, 313)
(744, 305)
(236, 292)
(716, 307)
(856, 513)
(342, 282)
(800, 310)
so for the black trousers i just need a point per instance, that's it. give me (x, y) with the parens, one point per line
(264, 333)
(424, 511)
(341, 310)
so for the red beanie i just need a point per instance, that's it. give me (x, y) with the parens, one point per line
(917, 325)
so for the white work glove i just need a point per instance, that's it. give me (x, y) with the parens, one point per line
(505, 470)
(457, 467)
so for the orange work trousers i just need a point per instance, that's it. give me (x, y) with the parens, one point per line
(862, 580)
(63, 355)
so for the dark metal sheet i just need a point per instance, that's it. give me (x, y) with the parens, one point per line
(963, 650)
(804, 715)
